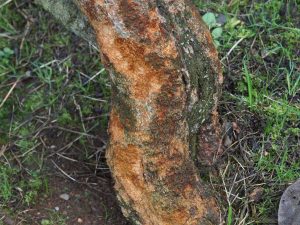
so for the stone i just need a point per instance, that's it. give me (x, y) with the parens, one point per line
(289, 207)
(65, 197)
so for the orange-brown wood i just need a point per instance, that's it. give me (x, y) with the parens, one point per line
(164, 70)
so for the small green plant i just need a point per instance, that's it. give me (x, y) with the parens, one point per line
(292, 80)
(6, 52)
(64, 118)
(33, 186)
(216, 30)
(5, 59)
(54, 219)
(6, 186)
(10, 185)
(250, 89)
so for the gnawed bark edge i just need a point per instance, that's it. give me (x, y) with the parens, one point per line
(207, 145)
(163, 68)
(126, 153)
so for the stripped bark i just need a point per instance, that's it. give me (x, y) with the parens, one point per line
(166, 80)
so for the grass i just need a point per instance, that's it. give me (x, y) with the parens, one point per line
(248, 79)
(54, 97)
(54, 219)
(261, 63)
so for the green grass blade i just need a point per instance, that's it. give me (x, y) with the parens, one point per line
(229, 215)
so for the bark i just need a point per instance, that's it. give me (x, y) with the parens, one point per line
(68, 14)
(166, 78)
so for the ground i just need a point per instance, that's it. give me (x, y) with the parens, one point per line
(54, 104)
(90, 199)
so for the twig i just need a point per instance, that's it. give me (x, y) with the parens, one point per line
(2, 150)
(64, 173)
(80, 114)
(232, 48)
(67, 158)
(5, 3)
(93, 77)
(9, 92)
(94, 99)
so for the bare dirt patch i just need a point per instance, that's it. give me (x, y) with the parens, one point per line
(81, 198)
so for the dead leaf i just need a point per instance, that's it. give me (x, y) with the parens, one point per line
(256, 194)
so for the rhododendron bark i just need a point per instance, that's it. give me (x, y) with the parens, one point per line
(165, 77)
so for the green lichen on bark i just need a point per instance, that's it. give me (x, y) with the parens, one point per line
(122, 102)
(131, 214)
(200, 77)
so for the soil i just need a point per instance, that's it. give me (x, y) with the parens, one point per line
(89, 203)
(85, 205)
(91, 198)
(87, 182)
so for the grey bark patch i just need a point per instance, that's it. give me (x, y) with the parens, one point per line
(68, 13)
(289, 207)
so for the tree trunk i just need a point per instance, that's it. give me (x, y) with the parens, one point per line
(166, 78)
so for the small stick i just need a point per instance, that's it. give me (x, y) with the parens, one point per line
(232, 48)
(5, 3)
(61, 170)
(9, 93)
(2, 151)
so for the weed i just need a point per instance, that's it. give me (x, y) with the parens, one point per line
(55, 218)
(10, 186)
(6, 188)
(215, 27)
(250, 90)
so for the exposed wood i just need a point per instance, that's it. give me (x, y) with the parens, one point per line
(166, 80)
